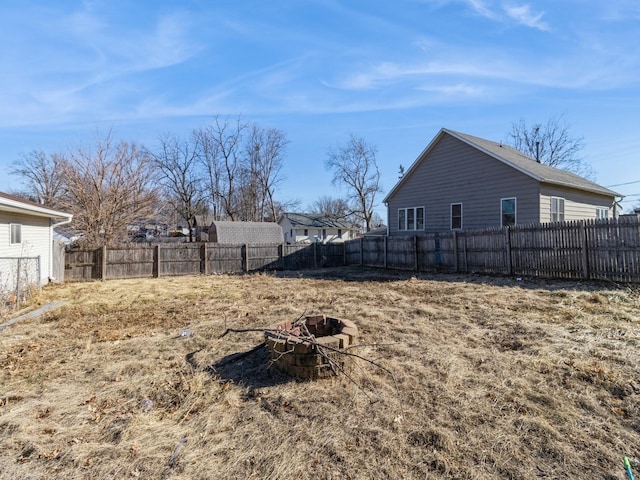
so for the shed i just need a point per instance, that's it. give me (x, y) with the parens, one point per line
(249, 233)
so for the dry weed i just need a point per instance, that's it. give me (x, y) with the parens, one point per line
(493, 378)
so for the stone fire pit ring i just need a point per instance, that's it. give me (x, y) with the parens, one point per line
(301, 357)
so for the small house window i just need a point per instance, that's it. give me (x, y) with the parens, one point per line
(602, 212)
(456, 216)
(508, 211)
(339, 233)
(557, 209)
(411, 218)
(306, 232)
(16, 234)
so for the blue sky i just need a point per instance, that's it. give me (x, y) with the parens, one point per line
(393, 73)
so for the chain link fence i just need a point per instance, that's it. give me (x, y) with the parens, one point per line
(19, 278)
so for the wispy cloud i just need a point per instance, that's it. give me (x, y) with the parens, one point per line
(525, 16)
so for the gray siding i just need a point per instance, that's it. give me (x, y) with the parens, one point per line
(454, 172)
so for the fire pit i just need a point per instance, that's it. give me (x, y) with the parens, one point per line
(310, 347)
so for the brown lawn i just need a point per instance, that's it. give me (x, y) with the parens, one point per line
(492, 378)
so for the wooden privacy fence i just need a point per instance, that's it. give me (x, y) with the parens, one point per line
(590, 249)
(137, 261)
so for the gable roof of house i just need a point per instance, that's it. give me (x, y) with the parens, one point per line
(12, 203)
(515, 159)
(252, 233)
(317, 220)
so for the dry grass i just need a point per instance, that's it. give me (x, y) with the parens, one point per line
(496, 379)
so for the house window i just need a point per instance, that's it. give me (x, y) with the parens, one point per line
(420, 218)
(306, 232)
(339, 233)
(324, 233)
(602, 212)
(557, 209)
(508, 211)
(15, 234)
(411, 218)
(456, 216)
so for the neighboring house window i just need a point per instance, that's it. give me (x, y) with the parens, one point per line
(508, 211)
(324, 233)
(16, 233)
(602, 212)
(557, 209)
(411, 218)
(339, 233)
(456, 216)
(306, 232)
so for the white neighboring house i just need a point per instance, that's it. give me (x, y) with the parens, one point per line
(313, 227)
(26, 232)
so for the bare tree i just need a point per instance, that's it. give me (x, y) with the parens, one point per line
(42, 175)
(265, 150)
(243, 169)
(334, 207)
(550, 144)
(180, 176)
(107, 188)
(221, 154)
(354, 167)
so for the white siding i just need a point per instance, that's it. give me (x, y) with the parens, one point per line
(578, 204)
(36, 240)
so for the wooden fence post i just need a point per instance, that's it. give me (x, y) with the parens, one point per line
(415, 253)
(361, 251)
(282, 257)
(156, 261)
(344, 254)
(386, 251)
(204, 264)
(103, 263)
(455, 251)
(584, 250)
(245, 257)
(507, 242)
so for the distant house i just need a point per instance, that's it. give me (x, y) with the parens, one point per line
(245, 233)
(311, 227)
(465, 182)
(26, 232)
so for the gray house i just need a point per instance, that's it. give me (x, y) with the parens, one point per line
(315, 227)
(465, 182)
(249, 233)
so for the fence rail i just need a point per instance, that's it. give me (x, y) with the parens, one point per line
(139, 261)
(588, 249)
(593, 249)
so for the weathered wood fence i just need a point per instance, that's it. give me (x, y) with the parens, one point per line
(593, 250)
(137, 261)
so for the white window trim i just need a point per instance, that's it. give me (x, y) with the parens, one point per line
(11, 225)
(515, 210)
(451, 216)
(557, 212)
(602, 213)
(403, 211)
